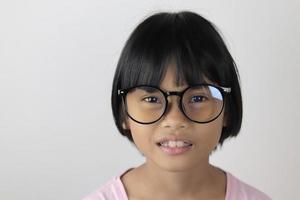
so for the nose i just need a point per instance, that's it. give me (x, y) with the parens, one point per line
(174, 118)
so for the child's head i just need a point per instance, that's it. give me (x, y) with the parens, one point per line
(190, 44)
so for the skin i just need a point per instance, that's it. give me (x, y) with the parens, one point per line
(185, 176)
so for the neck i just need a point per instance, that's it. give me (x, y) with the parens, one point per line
(187, 183)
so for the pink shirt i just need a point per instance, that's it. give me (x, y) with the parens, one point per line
(235, 190)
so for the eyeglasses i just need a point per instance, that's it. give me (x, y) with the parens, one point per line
(200, 103)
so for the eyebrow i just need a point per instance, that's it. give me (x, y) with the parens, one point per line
(151, 90)
(177, 90)
(148, 89)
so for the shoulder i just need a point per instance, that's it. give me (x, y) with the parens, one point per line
(111, 190)
(237, 189)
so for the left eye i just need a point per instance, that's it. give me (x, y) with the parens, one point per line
(198, 99)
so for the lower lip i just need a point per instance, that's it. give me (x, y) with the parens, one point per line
(175, 150)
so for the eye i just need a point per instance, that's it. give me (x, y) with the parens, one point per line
(151, 99)
(198, 99)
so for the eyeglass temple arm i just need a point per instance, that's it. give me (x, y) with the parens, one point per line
(226, 89)
(120, 92)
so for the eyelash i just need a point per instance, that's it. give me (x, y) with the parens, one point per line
(202, 98)
(148, 99)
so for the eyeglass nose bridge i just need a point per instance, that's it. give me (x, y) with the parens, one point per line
(172, 93)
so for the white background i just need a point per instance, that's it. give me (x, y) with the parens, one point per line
(57, 60)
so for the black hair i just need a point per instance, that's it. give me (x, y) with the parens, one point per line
(198, 51)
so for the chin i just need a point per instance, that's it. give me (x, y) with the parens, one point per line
(176, 166)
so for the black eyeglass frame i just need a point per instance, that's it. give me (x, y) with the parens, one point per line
(223, 91)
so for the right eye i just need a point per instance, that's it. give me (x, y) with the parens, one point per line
(151, 99)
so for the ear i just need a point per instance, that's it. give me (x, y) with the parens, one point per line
(225, 121)
(125, 117)
(125, 125)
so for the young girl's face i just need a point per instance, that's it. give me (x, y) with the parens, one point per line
(175, 126)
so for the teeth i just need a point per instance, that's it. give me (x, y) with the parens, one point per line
(174, 144)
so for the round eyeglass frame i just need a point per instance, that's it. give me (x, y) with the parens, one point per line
(223, 91)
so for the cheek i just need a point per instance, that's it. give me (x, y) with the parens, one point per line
(142, 134)
(210, 133)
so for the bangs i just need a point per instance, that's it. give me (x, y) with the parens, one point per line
(171, 42)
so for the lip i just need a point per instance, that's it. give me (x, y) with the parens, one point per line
(174, 150)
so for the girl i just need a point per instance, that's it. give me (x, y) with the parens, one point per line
(176, 96)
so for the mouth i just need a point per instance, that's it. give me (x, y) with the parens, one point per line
(174, 144)
(175, 147)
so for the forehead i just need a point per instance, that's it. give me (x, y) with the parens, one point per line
(167, 74)
(171, 81)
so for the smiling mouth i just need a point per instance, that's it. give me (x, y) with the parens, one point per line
(173, 148)
(174, 144)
